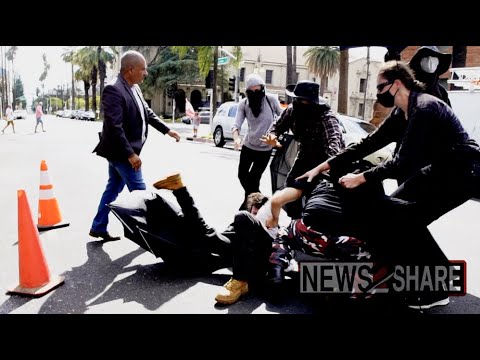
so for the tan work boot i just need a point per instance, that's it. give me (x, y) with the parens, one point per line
(232, 291)
(172, 182)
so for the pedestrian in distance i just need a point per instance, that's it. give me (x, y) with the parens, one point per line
(125, 130)
(39, 116)
(9, 119)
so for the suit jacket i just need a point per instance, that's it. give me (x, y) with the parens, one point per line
(121, 135)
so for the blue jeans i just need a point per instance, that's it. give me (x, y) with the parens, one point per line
(119, 174)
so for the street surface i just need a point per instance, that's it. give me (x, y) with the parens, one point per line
(119, 277)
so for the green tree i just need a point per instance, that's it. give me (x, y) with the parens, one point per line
(68, 56)
(323, 61)
(19, 92)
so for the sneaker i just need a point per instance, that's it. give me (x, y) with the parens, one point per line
(427, 300)
(232, 291)
(105, 236)
(172, 182)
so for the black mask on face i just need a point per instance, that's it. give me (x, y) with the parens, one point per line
(255, 100)
(386, 99)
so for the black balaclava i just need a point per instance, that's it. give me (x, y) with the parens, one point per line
(255, 100)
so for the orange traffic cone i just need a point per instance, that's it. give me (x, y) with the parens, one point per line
(49, 216)
(35, 279)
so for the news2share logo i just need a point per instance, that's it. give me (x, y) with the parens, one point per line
(349, 277)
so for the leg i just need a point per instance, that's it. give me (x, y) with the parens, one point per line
(114, 186)
(260, 162)
(13, 127)
(244, 165)
(279, 199)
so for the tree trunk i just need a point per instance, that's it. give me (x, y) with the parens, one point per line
(323, 84)
(73, 90)
(289, 71)
(214, 81)
(102, 72)
(86, 87)
(343, 83)
(459, 59)
(94, 90)
(294, 64)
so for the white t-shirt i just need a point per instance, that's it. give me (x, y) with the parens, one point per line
(265, 212)
(142, 112)
(9, 114)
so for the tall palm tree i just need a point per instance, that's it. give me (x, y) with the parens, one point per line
(343, 83)
(323, 61)
(67, 56)
(105, 55)
(11, 52)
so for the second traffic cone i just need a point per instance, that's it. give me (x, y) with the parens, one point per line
(49, 216)
(35, 279)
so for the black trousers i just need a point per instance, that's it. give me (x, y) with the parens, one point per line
(199, 233)
(251, 167)
(252, 247)
(396, 225)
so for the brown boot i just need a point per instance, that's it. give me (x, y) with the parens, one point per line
(172, 182)
(232, 291)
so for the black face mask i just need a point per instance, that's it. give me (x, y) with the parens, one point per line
(255, 100)
(386, 99)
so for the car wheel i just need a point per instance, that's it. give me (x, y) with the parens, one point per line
(218, 138)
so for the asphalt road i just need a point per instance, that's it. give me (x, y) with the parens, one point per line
(119, 277)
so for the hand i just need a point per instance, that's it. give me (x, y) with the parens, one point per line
(351, 181)
(271, 139)
(174, 135)
(314, 172)
(135, 161)
(271, 222)
(237, 143)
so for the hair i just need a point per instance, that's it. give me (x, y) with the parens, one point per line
(130, 58)
(399, 70)
(256, 199)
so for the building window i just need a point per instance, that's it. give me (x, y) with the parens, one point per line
(268, 76)
(360, 110)
(242, 74)
(363, 85)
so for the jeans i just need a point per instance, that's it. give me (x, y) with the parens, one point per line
(119, 174)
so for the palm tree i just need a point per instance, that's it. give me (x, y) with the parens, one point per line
(67, 56)
(10, 54)
(104, 57)
(459, 59)
(323, 61)
(343, 82)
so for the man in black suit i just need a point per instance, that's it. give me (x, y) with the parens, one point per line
(125, 129)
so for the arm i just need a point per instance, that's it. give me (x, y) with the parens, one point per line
(237, 125)
(333, 134)
(278, 127)
(156, 122)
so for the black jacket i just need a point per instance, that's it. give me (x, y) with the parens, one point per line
(432, 136)
(121, 135)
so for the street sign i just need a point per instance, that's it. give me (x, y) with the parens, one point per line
(223, 60)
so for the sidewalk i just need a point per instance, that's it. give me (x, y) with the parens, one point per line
(186, 131)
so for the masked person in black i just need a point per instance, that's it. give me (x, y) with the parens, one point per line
(260, 111)
(435, 162)
(317, 130)
(428, 64)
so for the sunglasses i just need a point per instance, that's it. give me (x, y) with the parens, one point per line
(381, 86)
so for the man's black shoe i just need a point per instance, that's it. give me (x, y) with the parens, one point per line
(105, 236)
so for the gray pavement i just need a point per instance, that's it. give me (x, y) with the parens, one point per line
(119, 277)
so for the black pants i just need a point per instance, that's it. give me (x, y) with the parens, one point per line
(252, 247)
(401, 220)
(251, 167)
(199, 232)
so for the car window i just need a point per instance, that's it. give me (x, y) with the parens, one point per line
(233, 111)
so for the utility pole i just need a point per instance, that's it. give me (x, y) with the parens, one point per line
(366, 83)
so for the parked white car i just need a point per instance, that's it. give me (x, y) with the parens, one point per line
(354, 130)
(223, 121)
(20, 114)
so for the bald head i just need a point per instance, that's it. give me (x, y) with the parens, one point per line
(129, 59)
